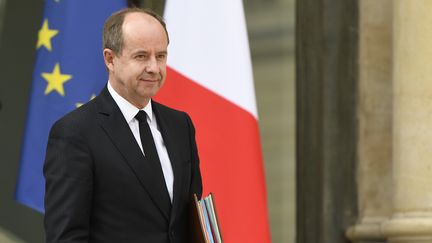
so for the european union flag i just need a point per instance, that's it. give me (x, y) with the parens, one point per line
(69, 71)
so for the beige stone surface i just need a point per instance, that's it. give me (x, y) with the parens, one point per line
(395, 122)
(412, 106)
(375, 114)
(411, 220)
(375, 109)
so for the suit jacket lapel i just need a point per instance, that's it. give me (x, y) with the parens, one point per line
(173, 154)
(114, 124)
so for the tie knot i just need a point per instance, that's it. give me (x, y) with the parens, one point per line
(141, 116)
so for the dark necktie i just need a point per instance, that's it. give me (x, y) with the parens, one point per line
(148, 144)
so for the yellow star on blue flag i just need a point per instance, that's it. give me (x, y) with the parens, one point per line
(45, 35)
(69, 68)
(55, 80)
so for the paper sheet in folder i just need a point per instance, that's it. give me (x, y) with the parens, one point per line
(205, 225)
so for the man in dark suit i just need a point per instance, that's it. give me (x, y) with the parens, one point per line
(123, 168)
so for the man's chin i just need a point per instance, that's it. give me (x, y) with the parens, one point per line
(147, 94)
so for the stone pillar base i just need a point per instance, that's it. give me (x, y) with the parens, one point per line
(408, 229)
(369, 230)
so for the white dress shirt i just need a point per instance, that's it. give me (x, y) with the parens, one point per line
(129, 112)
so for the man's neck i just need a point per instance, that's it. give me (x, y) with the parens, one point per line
(138, 104)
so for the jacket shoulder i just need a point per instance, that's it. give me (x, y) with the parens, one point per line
(78, 120)
(165, 110)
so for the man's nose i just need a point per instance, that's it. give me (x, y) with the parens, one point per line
(152, 65)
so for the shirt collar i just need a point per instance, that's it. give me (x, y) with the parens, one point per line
(128, 110)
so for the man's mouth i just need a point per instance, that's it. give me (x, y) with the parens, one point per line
(149, 80)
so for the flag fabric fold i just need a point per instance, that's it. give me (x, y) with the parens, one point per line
(68, 72)
(210, 77)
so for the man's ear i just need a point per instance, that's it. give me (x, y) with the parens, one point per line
(108, 55)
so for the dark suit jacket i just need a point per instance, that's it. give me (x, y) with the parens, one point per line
(99, 187)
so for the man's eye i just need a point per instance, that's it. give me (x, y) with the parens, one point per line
(161, 57)
(140, 57)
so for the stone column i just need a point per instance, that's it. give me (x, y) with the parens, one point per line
(411, 219)
(374, 114)
(326, 118)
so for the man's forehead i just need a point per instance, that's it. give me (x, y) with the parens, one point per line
(137, 17)
(138, 25)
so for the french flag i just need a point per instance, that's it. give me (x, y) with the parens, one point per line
(210, 77)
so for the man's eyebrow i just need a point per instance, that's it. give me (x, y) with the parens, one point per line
(147, 52)
(140, 51)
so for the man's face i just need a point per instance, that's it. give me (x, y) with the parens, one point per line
(138, 72)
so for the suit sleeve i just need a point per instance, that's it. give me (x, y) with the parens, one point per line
(68, 188)
(196, 181)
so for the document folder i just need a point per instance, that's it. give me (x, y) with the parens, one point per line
(205, 224)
